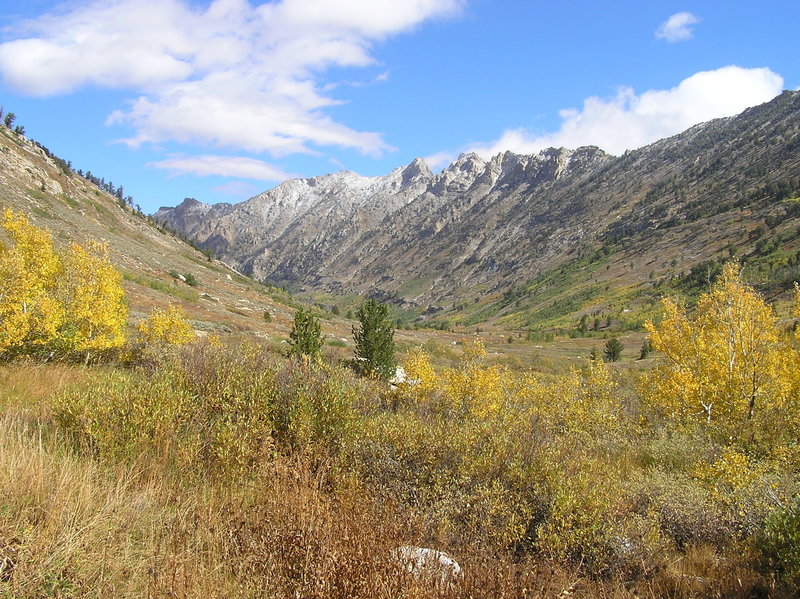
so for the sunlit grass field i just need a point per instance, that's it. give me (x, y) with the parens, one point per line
(227, 470)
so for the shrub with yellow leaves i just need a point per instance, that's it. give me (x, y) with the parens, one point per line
(475, 388)
(595, 404)
(166, 326)
(471, 389)
(421, 380)
(729, 472)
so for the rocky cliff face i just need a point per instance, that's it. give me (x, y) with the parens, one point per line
(336, 231)
(483, 226)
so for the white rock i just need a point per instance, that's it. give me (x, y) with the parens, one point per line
(400, 376)
(428, 564)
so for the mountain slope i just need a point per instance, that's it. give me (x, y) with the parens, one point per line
(154, 264)
(483, 232)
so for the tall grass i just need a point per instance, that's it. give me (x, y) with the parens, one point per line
(82, 528)
(231, 472)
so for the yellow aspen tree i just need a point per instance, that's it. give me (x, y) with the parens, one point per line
(726, 360)
(96, 312)
(30, 313)
(475, 388)
(166, 326)
(421, 378)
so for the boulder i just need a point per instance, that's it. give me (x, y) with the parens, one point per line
(427, 564)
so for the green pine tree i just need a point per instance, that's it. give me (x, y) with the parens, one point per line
(305, 336)
(374, 339)
(613, 350)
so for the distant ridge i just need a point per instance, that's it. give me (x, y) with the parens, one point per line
(481, 228)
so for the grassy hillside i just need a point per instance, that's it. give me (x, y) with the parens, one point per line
(618, 283)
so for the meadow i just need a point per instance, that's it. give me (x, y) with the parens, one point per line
(227, 470)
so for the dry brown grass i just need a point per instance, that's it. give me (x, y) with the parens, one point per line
(81, 529)
(24, 385)
(703, 571)
(76, 524)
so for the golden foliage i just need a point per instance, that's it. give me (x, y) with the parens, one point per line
(730, 472)
(73, 302)
(725, 361)
(473, 388)
(166, 326)
(595, 404)
(93, 298)
(30, 314)
(421, 377)
(586, 398)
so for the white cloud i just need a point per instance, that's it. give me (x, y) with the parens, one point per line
(225, 166)
(230, 74)
(627, 120)
(439, 159)
(678, 27)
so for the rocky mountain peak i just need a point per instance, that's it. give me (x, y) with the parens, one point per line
(555, 160)
(585, 156)
(192, 203)
(416, 172)
(468, 162)
(460, 175)
(189, 214)
(187, 205)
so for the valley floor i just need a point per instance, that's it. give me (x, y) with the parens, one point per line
(232, 472)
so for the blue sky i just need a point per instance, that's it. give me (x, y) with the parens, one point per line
(220, 100)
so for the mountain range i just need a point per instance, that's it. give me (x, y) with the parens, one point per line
(463, 241)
